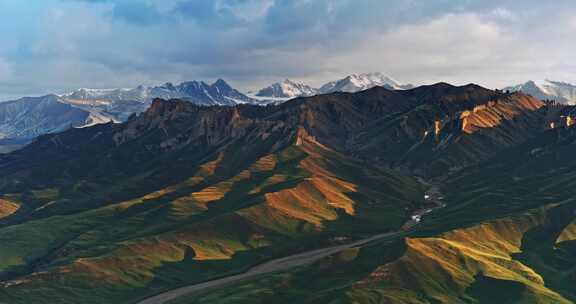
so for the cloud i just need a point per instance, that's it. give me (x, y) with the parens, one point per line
(137, 12)
(5, 70)
(53, 45)
(249, 10)
(504, 14)
(453, 47)
(209, 13)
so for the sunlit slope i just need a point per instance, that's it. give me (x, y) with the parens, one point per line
(427, 130)
(479, 264)
(447, 266)
(452, 131)
(223, 218)
(182, 194)
(506, 236)
(7, 208)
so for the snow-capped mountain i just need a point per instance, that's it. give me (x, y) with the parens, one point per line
(29, 117)
(287, 89)
(360, 82)
(94, 95)
(106, 105)
(561, 92)
(199, 92)
(118, 104)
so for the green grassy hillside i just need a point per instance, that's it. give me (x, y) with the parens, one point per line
(182, 194)
(223, 218)
(505, 237)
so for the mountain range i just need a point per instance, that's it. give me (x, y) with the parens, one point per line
(561, 92)
(360, 82)
(119, 104)
(23, 120)
(350, 84)
(436, 194)
(29, 117)
(287, 89)
(197, 92)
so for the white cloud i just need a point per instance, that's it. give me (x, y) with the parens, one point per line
(64, 44)
(503, 13)
(67, 31)
(250, 10)
(572, 23)
(5, 70)
(460, 48)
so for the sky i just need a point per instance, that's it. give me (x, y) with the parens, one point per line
(53, 46)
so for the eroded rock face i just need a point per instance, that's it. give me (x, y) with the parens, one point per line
(180, 123)
(494, 113)
(7, 208)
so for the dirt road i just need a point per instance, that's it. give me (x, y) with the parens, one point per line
(264, 268)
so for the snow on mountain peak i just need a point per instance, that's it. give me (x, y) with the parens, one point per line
(360, 82)
(287, 89)
(562, 92)
(353, 83)
(118, 104)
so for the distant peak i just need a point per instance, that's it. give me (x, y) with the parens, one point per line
(441, 85)
(359, 82)
(473, 86)
(377, 75)
(220, 83)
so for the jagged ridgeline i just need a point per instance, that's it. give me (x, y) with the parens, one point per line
(182, 194)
